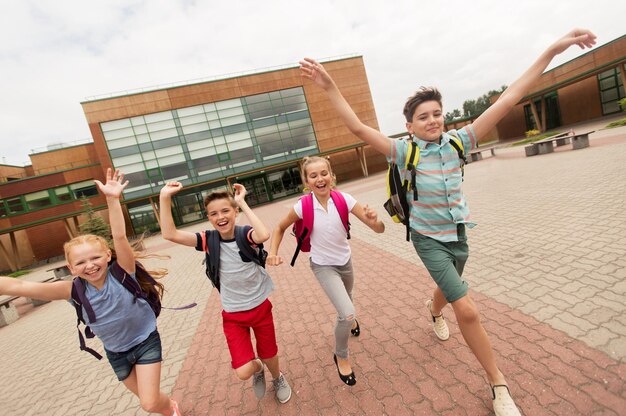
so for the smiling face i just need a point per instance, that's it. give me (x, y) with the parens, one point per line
(222, 215)
(318, 177)
(427, 121)
(89, 260)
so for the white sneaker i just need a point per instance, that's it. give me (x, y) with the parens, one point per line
(439, 323)
(503, 404)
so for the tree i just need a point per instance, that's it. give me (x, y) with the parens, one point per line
(452, 115)
(94, 224)
(473, 108)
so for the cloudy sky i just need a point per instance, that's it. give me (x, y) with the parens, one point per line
(55, 54)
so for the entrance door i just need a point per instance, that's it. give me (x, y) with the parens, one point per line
(256, 187)
(553, 115)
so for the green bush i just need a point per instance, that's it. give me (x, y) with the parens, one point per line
(18, 273)
(617, 123)
(622, 103)
(531, 133)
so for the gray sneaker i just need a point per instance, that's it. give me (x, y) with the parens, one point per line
(258, 382)
(283, 389)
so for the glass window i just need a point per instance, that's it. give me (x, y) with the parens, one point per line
(156, 117)
(37, 200)
(63, 194)
(222, 105)
(188, 111)
(84, 189)
(114, 125)
(15, 205)
(117, 134)
(611, 90)
(3, 209)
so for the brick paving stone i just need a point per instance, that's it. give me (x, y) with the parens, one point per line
(546, 271)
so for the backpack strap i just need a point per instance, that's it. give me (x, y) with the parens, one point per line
(79, 300)
(458, 146)
(244, 243)
(342, 208)
(128, 282)
(211, 244)
(412, 159)
(307, 224)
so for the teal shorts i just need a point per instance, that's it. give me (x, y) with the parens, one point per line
(445, 262)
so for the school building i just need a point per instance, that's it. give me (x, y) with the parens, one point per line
(250, 128)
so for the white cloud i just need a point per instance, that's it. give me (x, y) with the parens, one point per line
(59, 53)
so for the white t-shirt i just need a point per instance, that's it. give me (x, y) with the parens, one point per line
(329, 243)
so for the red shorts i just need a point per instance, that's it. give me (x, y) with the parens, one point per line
(237, 331)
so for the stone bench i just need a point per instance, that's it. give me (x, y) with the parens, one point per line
(544, 146)
(477, 154)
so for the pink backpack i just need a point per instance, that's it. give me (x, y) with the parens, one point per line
(303, 228)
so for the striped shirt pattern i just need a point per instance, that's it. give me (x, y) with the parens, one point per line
(441, 204)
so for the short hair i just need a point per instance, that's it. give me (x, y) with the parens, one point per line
(422, 95)
(215, 195)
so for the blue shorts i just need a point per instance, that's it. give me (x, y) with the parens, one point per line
(146, 352)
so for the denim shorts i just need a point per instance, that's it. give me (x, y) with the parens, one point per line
(146, 352)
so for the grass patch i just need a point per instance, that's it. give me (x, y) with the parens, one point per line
(18, 273)
(534, 138)
(617, 123)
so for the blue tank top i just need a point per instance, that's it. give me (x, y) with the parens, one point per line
(120, 323)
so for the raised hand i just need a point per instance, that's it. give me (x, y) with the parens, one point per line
(582, 37)
(313, 70)
(240, 193)
(171, 188)
(114, 185)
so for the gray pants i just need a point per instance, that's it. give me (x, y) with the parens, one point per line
(337, 282)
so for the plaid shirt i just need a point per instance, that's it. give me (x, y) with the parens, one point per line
(441, 204)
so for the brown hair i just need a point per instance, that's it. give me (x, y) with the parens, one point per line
(215, 195)
(422, 95)
(307, 160)
(146, 286)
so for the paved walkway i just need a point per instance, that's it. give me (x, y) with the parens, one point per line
(547, 269)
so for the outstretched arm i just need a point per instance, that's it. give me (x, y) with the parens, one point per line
(260, 233)
(43, 291)
(488, 120)
(168, 228)
(313, 70)
(112, 190)
(273, 259)
(368, 217)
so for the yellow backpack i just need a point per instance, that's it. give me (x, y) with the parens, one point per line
(397, 205)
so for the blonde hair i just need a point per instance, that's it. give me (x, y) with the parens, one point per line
(308, 160)
(146, 286)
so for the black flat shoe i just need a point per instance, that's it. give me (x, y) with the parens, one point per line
(350, 379)
(356, 331)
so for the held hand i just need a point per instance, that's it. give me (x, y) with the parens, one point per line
(582, 37)
(114, 185)
(171, 188)
(274, 260)
(240, 193)
(313, 70)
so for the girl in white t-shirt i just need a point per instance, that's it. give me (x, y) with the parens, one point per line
(330, 255)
